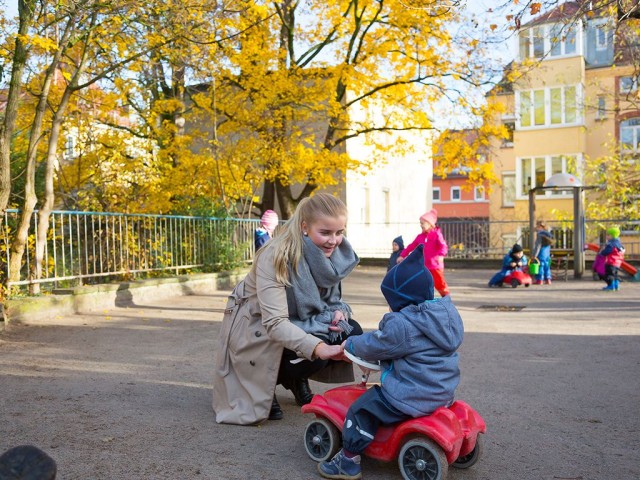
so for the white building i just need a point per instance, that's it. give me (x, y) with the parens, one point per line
(388, 200)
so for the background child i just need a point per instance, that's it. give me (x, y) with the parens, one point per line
(542, 251)
(396, 247)
(613, 252)
(268, 224)
(514, 259)
(416, 345)
(435, 249)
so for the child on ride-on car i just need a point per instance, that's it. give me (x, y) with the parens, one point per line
(416, 345)
(513, 260)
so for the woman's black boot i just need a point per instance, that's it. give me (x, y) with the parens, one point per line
(276, 412)
(301, 391)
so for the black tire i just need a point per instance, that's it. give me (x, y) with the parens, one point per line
(514, 283)
(422, 459)
(322, 439)
(472, 457)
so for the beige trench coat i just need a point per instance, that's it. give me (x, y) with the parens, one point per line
(254, 331)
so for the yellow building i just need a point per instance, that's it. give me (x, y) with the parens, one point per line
(567, 98)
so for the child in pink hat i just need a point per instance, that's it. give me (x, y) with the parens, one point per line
(268, 224)
(435, 249)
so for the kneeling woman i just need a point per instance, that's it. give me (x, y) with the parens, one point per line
(286, 320)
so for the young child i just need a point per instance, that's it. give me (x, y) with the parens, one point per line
(542, 251)
(435, 249)
(613, 252)
(396, 247)
(268, 224)
(416, 345)
(514, 259)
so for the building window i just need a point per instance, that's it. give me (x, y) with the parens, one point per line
(601, 113)
(630, 135)
(455, 194)
(602, 36)
(549, 106)
(436, 195)
(534, 171)
(510, 126)
(508, 189)
(552, 40)
(478, 194)
(628, 84)
(70, 148)
(387, 205)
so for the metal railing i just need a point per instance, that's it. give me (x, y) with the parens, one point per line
(471, 239)
(83, 247)
(91, 247)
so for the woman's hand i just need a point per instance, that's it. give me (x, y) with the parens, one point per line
(328, 352)
(338, 315)
(399, 260)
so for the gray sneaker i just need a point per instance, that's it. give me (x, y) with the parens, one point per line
(341, 467)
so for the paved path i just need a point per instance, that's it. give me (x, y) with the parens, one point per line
(124, 393)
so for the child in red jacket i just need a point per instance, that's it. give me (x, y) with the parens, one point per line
(613, 252)
(435, 249)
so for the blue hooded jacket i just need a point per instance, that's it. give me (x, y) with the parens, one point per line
(417, 343)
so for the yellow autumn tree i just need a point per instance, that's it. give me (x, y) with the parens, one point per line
(284, 90)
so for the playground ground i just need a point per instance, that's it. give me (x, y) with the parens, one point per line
(124, 392)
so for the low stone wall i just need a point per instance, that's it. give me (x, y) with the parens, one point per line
(124, 294)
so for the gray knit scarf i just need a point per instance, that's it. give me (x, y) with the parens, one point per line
(316, 292)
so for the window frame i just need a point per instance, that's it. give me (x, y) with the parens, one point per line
(635, 135)
(506, 202)
(433, 196)
(550, 163)
(529, 108)
(567, 35)
(458, 190)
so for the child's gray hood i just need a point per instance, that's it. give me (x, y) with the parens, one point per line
(439, 321)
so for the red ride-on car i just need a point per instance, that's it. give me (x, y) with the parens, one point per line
(517, 277)
(424, 447)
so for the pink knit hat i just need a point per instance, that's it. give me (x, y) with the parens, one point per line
(431, 216)
(269, 220)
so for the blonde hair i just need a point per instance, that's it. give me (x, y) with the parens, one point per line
(288, 242)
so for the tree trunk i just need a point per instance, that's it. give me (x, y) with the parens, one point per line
(20, 55)
(49, 194)
(20, 240)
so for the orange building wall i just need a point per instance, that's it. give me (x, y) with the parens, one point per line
(466, 207)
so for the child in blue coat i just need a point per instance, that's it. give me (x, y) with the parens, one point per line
(416, 345)
(513, 260)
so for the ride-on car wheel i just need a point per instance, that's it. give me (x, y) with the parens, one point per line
(472, 457)
(422, 459)
(514, 283)
(321, 439)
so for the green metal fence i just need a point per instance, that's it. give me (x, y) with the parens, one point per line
(92, 247)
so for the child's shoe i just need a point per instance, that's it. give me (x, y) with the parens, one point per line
(609, 288)
(341, 467)
(538, 282)
(548, 281)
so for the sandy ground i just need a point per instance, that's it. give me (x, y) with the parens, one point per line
(125, 393)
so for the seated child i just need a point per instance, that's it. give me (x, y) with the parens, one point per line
(515, 259)
(416, 345)
(613, 252)
(396, 247)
